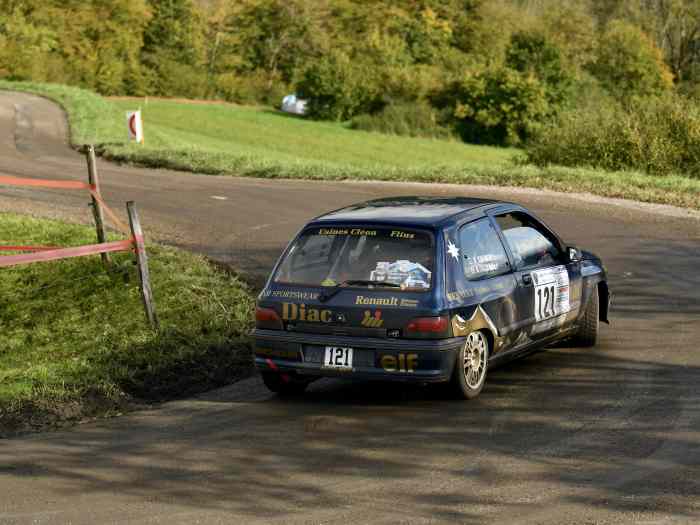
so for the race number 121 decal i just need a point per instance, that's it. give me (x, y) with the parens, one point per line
(551, 292)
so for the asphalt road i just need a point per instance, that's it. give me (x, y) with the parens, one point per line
(608, 435)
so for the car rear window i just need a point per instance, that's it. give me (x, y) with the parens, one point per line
(329, 256)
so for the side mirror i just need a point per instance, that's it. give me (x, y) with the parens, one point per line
(574, 254)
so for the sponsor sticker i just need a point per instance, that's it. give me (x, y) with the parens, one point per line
(372, 320)
(551, 292)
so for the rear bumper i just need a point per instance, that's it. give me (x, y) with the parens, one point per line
(421, 361)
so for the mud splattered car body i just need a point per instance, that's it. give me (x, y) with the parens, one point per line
(423, 289)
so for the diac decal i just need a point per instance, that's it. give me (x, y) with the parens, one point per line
(300, 312)
(405, 363)
(372, 321)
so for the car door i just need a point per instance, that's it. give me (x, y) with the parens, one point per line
(480, 281)
(549, 284)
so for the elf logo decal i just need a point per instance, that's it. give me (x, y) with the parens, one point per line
(299, 312)
(405, 363)
(372, 321)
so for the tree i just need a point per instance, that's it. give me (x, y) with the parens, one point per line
(97, 42)
(173, 49)
(531, 54)
(24, 46)
(571, 27)
(628, 63)
(496, 105)
(276, 36)
(678, 34)
(338, 88)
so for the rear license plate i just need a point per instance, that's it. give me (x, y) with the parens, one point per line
(338, 357)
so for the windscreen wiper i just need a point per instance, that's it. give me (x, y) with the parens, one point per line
(325, 296)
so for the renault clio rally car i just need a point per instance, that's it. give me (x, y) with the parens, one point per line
(425, 290)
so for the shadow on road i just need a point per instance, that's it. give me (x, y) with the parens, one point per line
(579, 425)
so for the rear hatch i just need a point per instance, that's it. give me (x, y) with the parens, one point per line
(354, 280)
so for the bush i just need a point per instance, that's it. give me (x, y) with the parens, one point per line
(252, 88)
(658, 136)
(495, 106)
(337, 88)
(414, 119)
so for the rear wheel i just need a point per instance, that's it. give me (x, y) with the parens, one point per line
(284, 384)
(469, 374)
(587, 334)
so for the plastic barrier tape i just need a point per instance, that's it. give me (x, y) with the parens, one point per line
(42, 183)
(67, 185)
(119, 224)
(65, 253)
(27, 248)
(51, 253)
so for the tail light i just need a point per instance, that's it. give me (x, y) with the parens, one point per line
(428, 328)
(267, 318)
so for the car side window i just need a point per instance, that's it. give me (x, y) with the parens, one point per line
(530, 243)
(483, 255)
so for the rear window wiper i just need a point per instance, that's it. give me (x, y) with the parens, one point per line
(325, 296)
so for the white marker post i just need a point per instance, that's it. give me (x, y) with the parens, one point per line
(135, 126)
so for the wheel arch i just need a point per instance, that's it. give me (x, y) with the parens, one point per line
(479, 321)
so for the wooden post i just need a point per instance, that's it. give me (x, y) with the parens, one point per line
(142, 263)
(94, 180)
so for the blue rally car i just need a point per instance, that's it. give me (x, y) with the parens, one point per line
(425, 290)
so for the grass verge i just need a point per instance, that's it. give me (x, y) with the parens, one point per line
(225, 139)
(75, 342)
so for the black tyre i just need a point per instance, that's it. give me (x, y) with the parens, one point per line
(469, 374)
(284, 386)
(587, 334)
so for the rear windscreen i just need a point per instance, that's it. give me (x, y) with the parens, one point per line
(331, 256)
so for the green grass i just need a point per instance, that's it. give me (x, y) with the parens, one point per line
(260, 142)
(92, 119)
(75, 341)
(229, 131)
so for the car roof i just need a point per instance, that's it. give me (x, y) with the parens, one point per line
(408, 211)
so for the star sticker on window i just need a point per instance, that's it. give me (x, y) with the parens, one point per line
(453, 250)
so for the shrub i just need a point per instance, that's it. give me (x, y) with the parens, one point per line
(251, 88)
(338, 88)
(414, 119)
(658, 136)
(495, 106)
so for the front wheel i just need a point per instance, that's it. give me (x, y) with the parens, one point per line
(587, 334)
(469, 374)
